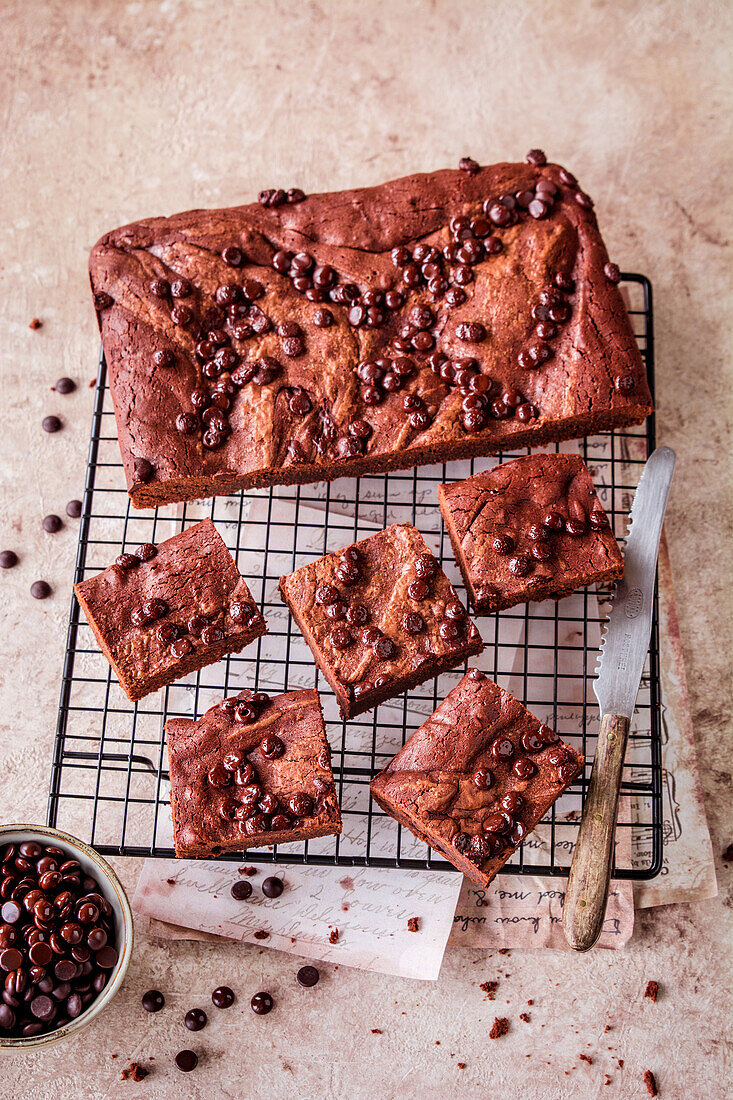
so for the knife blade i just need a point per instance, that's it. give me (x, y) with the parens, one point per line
(623, 653)
(626, 639)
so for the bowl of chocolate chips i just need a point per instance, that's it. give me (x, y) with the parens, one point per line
(65, 935)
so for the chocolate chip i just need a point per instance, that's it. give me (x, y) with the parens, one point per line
(308, 976)
(512, 802)
(186, 1060)
(598, 520)
(181, 315)
(323, 318)
(153, 1000)
(51, 424)
(469, 166)
(531, 741)
(471, 332)
(102, 300)
(575, 527)
(520, 565)
(272, 887)
(624, 384)
(65, 385)
(413, 623)
(502, 544)
(143, 469)
(418, 590)
(483, 779)
(222, 997)
(385, 649)
(271, 747)
(612, 273)
(262, 1003)
(195, 1019)
(232, 256)
(295, 195)
(502, 749)
(536, 157)
(40, 590)
(8, 559)
(523, 768)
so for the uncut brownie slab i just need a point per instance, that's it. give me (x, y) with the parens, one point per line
(380, 617)
(253, 770)
(168, 610)
(445, 315)
(474, 780)
(530, 529)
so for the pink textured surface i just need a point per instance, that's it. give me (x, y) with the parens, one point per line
(112, 111)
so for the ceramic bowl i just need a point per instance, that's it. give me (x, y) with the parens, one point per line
(111, 887)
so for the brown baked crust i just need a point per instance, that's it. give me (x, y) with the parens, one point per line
(204, 821)
(429, 786)
(573, 393)
(195, 575)
(387, 566)
(509, 503)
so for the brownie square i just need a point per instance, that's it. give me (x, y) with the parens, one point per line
(444, 315)
(380, 617)
(253, 770)
(530, 529)
(168, 610)
(476, 777)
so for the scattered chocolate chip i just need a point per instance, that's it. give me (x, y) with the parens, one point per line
(241, 890)
(222, 997)
(195, 1019)
(186, 1060)
(52, 523)
(153, 1000)
(469, 166)
(51, 424)
(262, 1003)
(536, 157)
(35, 323)
(65, 385)
(271, 887)
(308, 976)
(40, 590)
(8, 559)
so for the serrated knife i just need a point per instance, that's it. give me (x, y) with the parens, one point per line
(623, 651)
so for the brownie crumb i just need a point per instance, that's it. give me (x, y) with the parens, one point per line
(530, 1003)
(586, 1058)
(413, 924)
(652, 991)
(728, 854)
(248, 871)
(489, 989)
(461, 1065)
(261, 934)
(525, 1016)
(607, 1079)
(35, 323)
(377, 1031)
(620, 1063)
(171, 881)
(607, 1028)
(134, 1072)
(333, 935)
(499, 1027)
(504, 951)
(651, 1083)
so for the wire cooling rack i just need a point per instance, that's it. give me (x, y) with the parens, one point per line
(109, 779)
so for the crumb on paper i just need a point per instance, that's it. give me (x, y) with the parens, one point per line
(489, 989)
(377, 1031)
(607, 1028)
(651, 1083)
(586, 1058)
(525, 1016)
(652, 991)
(262, 934)
(93, 383)
(171, 881)
(248, 871)
(333, 935)
(530, 1002)
(413, 924)
(728, 854)
(134, 1072)
(499, 1027)
(35, 323)
(620, 1063)
(607, 1079)
(461, 1065)
(504, 951)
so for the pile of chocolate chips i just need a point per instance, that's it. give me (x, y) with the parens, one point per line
(57, 939)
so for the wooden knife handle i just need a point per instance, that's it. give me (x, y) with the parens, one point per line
(590, 872)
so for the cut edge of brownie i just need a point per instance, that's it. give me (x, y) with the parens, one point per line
(150, 494)
(192, 662)
(351, 707)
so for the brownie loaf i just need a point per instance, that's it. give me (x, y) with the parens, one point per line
(440, 316)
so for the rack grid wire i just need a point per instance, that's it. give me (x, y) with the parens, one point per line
(109, 780)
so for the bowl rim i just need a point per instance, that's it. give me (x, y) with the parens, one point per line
(31, 1042)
